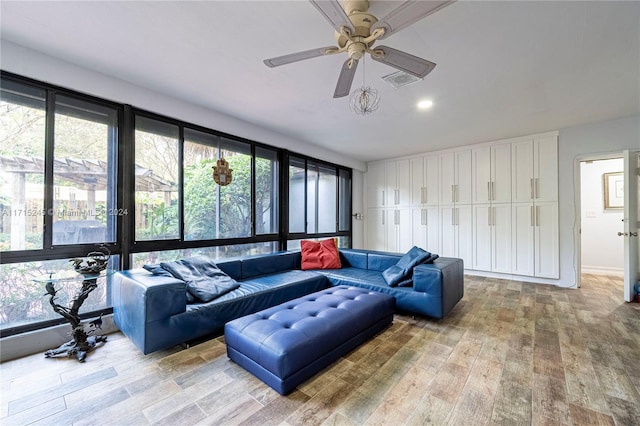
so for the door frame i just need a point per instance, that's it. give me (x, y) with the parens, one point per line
(577, 186)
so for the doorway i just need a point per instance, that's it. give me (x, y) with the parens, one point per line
(601, 217)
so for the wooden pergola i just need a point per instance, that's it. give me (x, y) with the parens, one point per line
(88, 175)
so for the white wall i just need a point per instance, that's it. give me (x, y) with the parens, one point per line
(602, 250)
(594, 140)
(30, 63)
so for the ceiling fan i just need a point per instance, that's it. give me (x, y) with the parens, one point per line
(356, 31)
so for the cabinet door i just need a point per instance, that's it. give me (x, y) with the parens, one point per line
(376, 231)
(447, 178)
(417, 181)
(404, 230)
(482, 231)
(391, 198)
(426, 228)
(546, 169)
(547, 256)
(432, 180)
(463, 177)
(522, 241)
(481, 169)
(376, 183)
(403, 183)
(501, 173)
(522, 176)
(432, 217)
(419, 225)
(447, 232)
(501, 238)
(464, 233)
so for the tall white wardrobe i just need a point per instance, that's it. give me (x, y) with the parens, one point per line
(494, 205)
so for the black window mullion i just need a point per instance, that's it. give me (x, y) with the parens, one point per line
(127, 150)
(253, 212)
(181, 182)
(49, 137)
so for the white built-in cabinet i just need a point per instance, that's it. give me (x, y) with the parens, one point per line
(455, 177)
(456, 236)
(494, 205)
(389, 215)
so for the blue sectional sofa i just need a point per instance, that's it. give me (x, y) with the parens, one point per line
(152, 310)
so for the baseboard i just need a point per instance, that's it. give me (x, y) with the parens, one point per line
(602, 270)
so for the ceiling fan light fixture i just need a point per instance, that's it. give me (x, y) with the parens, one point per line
(364, 100)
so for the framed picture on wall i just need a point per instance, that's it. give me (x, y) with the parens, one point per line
(613, 190)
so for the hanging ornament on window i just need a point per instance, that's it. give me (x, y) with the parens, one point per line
(222, 174)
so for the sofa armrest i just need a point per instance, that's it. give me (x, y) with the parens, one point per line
(140, 299)
(443, 279)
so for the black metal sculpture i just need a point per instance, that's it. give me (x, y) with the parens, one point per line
(83, 340)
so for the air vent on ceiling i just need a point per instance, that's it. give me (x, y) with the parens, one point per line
(400, 78)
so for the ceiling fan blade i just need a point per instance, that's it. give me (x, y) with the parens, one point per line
(406, 14)
(298, 56)
(345, 78)
(334, 13)
(403, 61)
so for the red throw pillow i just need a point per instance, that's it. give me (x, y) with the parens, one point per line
(320, 254)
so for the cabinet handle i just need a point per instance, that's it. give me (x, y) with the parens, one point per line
(537, 215)
(396, 196)
(423, 220)
(396, 217)
(488, 190)
(383, 201)
(457, 193)
(537, 188)
(453, 193)
(383, 215)
(453, 221)
(531, 214)
(489, 217)
(493, 190)
(531, 188)
(422, 195)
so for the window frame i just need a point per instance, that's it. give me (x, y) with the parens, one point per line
(125, 245)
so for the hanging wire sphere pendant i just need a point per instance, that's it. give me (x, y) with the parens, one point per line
(364, 100)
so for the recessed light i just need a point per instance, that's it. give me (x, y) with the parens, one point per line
(425, 104)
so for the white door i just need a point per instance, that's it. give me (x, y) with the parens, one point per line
(376, 231)
(432, 180)
(375, 184)
(631, 228)
(501, 238)
(482, 247)
(417, 181)
(547, 257)
(522, 248)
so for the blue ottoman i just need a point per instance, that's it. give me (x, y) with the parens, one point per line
(287, 344)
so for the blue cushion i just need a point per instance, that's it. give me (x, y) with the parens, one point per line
(402, 269)
(203, 277)
(157, 269)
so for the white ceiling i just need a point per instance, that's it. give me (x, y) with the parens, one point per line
(504, 69)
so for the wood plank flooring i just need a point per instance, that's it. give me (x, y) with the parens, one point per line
(510, 353)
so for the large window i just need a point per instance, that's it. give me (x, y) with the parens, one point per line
(319, 201)
(58, 196)
(78, 171)
(84, 173)
(156, 180)
(22, 137)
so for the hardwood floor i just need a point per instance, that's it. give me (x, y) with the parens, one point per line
(510, 353)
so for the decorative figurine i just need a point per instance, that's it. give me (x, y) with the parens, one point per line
(222, 174)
